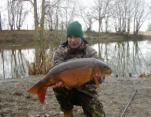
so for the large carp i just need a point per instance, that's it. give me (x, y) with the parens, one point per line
(72, 73)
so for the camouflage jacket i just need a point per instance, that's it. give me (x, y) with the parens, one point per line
(64, 53)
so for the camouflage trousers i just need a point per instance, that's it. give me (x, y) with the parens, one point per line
(85, 97)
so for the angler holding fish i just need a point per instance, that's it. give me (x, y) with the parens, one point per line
(75, 75)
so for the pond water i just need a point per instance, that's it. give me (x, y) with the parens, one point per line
(14, 62)
(126, 59)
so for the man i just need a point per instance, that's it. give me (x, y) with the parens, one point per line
(85, 95)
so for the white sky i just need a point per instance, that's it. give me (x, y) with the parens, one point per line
(29, 20)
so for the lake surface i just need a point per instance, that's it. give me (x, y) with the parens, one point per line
(131, 58)
(126, 59)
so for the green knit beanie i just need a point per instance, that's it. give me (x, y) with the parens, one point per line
(75, 29)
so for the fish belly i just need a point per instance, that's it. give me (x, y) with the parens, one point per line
(76, 77)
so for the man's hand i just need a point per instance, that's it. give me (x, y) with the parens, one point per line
(98, 79)
(58, 85)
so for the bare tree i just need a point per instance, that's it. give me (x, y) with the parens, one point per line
(49, 18)
(140, 14)
(21, 13)
(106, 23)
(87, 17)
(61, 14)
(11, 14)
(127, 10)
(16, 14)
(108, 15)
(67, 12)
(0, 22)
(57, 18)
(120, 15)
(53, 15)
(117, 15)
(100, 10)
(42, 19)
(37, 20)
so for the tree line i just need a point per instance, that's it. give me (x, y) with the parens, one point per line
(123, 16)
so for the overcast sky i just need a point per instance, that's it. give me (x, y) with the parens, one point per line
(29, 20)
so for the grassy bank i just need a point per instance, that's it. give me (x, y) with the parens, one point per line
(27, 38)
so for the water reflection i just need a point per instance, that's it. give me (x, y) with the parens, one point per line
(125, 58)
(13, 63)
(18, 63)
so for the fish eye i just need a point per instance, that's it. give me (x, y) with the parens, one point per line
(105, 67)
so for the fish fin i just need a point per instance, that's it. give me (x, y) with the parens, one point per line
(41, 95)
(40, 92)
(34, 90)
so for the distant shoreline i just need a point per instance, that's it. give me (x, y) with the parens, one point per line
(28, 38)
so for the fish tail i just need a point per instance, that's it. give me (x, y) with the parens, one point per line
(41, 92)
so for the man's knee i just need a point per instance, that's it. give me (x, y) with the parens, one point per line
(93, 108)
(63, 98)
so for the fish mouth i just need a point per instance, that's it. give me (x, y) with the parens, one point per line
(109, 71)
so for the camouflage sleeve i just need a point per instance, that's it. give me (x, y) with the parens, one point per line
(58, 56)
(90, 52)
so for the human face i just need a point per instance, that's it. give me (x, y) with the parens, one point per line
(74, 41)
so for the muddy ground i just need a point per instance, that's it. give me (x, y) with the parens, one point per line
(114, 93)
